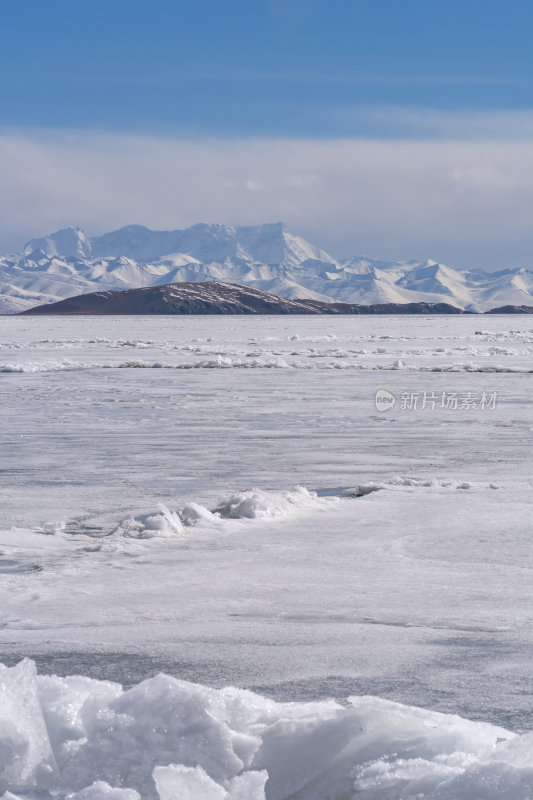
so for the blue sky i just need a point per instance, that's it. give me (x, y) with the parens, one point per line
(267, 67)
(396, 128)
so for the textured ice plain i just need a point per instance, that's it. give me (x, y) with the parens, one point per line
(132, 541)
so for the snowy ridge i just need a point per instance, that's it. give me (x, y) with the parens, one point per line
(483, 351)
(251, 504)
(267, 257)
(227, 362)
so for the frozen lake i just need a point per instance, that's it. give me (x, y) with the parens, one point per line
(401, 568)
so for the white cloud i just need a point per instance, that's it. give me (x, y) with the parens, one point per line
(465, 202)
(301, 181)
(253, 186)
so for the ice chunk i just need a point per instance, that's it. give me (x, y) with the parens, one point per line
(366, 488)
(297, 749)
(494, 781)
(182, 741)
(172, 520)
(69, 705)
(166, 523)
(193, 513)
(26, 758)
(256, 503)
(401, 480)
(177, 782)
(158, 722)
(51, 528)
(100, 790)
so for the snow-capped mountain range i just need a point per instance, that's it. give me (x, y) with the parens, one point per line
(268, 257)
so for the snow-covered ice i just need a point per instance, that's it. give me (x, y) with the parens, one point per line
(265, 527)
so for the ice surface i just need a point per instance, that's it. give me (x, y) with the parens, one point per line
(267, 528)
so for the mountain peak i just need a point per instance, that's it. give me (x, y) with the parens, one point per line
(71, 241)
(271, 243)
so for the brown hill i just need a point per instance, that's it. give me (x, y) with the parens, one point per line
(218, 298)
